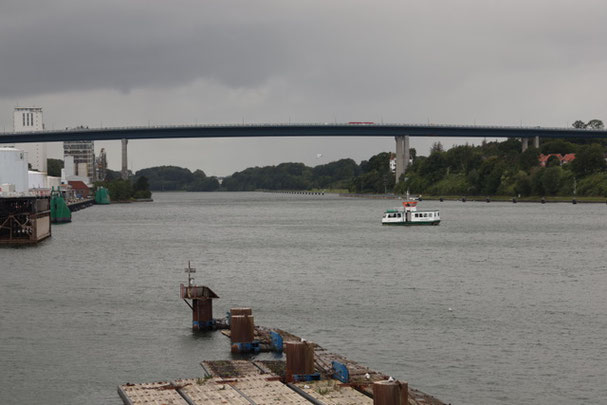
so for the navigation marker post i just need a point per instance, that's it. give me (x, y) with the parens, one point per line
(202, 302)
(190, 270)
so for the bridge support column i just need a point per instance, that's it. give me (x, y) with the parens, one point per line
(536, 142)
(525, 143)
(124, 173)
(402, 155)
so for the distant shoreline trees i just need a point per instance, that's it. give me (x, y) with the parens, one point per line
(173, 178)
(501, 168)
(492, 168)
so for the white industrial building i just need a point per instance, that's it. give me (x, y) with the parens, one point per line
(37, 180)
(83, 153)
(13, 170)
(29, 119)
(71, 171)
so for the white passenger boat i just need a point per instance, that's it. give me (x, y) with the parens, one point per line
(409, 215)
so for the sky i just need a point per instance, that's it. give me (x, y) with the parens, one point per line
(151, 62)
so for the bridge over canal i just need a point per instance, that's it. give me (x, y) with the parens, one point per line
(401, 133)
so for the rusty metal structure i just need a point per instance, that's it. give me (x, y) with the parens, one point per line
(202, 302)
(300, 362)
(242, 328)
(308, 374)
(241, 311)
(390, 392)
(24, 220)
(242, 331)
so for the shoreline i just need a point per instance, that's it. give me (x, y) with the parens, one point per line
(486, 199)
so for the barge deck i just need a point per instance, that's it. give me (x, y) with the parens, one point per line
(263, 382)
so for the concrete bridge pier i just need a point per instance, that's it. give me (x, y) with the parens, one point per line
(536, 142)
(402, 155)
(124, 173)
(525, 143)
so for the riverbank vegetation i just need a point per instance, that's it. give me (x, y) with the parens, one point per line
(501, 168)
(160, 178)
(293, 176)
(490, 169)
(126, 190)
(497, 168)
(173, 178)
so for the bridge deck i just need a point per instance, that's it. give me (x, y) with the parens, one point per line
(297, 130)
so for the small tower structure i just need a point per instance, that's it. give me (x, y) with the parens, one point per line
(202, 302)
(29, 119)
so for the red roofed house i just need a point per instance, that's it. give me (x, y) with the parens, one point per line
(563, 159)
(79, 188)
(568, 158)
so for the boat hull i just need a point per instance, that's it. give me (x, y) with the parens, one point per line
(412, 223)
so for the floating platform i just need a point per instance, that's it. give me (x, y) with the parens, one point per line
(78, 205)
(24, 220)
(263, 382)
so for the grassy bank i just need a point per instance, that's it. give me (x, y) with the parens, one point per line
(495, 198)
(580, 199)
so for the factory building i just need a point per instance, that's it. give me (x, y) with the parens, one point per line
(83, 153)
(101, 165)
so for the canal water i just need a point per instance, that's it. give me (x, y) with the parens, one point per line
(502, 303)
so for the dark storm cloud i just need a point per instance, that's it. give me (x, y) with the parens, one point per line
(131, 62)
(345, 49)
(63, 46)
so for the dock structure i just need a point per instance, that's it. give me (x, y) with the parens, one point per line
(306, 373)
(24, 220)
(80, 204)
(153, 393)
(264, 382)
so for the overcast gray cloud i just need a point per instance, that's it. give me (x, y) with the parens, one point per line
(132, 62)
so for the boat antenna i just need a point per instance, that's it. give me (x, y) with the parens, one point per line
(190, 270)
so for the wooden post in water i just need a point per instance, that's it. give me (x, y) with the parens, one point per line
(300, 359)
(390, 392)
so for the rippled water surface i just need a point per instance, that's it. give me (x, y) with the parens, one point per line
(98, 304)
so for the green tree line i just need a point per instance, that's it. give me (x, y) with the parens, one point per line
(501, 168)
(173, 178)
(492, 168)
(125, 190)
(293, 176)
